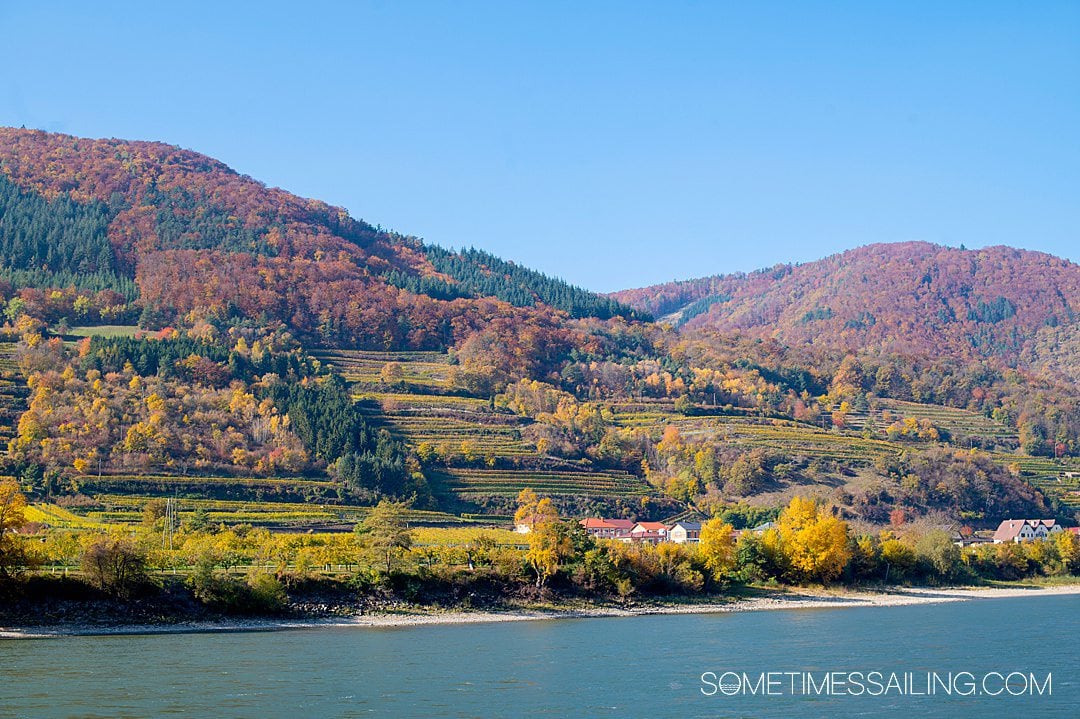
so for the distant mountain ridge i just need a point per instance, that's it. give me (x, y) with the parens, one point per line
(908, 298)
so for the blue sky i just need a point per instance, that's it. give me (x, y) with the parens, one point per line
(613, 144)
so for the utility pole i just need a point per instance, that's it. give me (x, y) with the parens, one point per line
(169, 525)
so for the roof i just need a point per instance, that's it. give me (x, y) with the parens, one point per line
(1010, 529)
(601, 523)
(688, 526)
(651, 526)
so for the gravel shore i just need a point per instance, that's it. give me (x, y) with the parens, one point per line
(790, 599)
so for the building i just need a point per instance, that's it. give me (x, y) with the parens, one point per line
(649, 532)
(607, 528)
(685, 532)
(1025, 530)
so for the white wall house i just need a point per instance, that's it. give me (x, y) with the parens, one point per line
(1025, 530)
(685, 532)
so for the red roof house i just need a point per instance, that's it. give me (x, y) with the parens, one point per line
(1025, 530)
(607, 528)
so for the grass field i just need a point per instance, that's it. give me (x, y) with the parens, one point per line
(128, 509)
(104, 331)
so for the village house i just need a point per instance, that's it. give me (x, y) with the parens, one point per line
(685, 532)
(607, 528)
(648, 533)
(1025, 530)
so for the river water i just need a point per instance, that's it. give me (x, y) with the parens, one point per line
(648, 666)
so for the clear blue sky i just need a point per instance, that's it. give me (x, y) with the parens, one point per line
(614, 144)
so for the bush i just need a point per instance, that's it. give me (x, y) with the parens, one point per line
(259, 593)
(114, 565)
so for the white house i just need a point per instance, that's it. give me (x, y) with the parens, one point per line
(1025, 530)
(685, 532)
(648, 533)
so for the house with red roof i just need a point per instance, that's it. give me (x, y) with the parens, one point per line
(649, 532)
(607, 528)
(1025, 530)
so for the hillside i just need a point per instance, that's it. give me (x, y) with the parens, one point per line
(171, 232)
(173, 329)
(909, 298)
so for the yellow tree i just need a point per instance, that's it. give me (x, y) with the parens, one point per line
(717, 547)
(549, 543)
(1068, 546)
(12, 518)
(532, 510)
(814, 542)
(392, 373)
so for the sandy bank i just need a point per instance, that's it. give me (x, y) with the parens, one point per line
(790, 599)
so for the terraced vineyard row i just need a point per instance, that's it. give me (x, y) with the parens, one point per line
(791, 438)
(1066, 489)
(393, 402)
(54, 516)
(1054, 477)
(644, 419)
(960, 423)
(13, 394)
(427, 369)
(128, 509)
(647, 405)
(179, 480)
(1036, 466)
(440, 358)
(452, 424)
(488, 439)
(510, 482)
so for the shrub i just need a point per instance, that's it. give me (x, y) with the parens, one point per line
(114, 565)
(259, 593)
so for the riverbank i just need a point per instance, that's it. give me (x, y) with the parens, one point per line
(763, 600)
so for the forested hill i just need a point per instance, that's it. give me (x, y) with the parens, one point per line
(909, 298)
(239, 332)
(154, 231)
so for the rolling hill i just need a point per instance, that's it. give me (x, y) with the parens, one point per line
(173, 231)
(173, 328)
(909, 298)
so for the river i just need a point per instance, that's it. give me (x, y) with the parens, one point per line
(647, 666)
